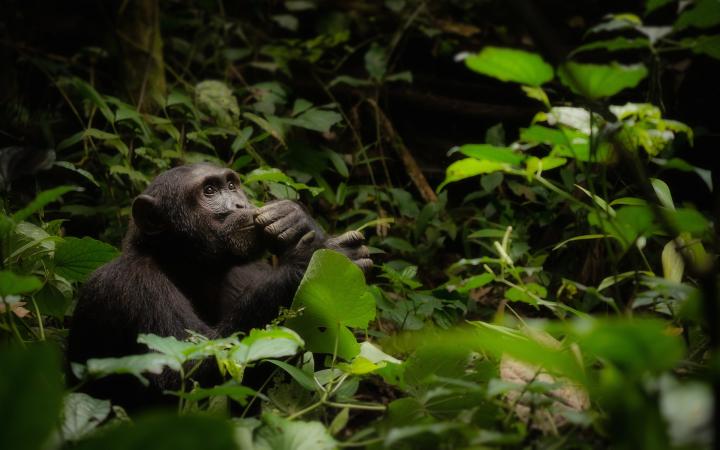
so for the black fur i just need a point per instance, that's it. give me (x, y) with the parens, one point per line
(192, 260)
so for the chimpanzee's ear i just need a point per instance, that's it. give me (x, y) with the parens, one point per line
(146, 214)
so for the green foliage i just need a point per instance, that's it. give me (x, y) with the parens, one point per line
(556, 294)
(332, 297)
(511, 65)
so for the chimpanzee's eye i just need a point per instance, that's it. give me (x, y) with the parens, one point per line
(231, 186)
(209, 189)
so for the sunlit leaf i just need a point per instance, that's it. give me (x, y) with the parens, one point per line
(662, 190)
(332, 296)
(269, 343)
(492, 153)
(511, 65)
(672, 262)
(470, 167)
(598, 81)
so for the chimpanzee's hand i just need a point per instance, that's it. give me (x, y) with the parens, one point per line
(351, 245)
(284, 223)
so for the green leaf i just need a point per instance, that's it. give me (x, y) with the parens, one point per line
(315, 119)
(76, 258)
(165, 432)
(672, 263)
(537, 93)
(708, 45)
(597, 81)
(470, 167)
(298, 375)
(635, 346)
(89, 93)
(30, 395)
(168, 346)
(231, 389)
(489, 152)
(475, 282)
(511, 65)
(533, 164)
(52, 301)
(134, 365)
(614, 44)
(652, 5)
(270, 128)
(70, 166)
(662, 190)
(688, 220)
(286, 21)
(41, 200)
(332, 296)
(81, 415)
(703, 14)
(525, 293)
(12, 284)
(376, 61)
(269, 343)
(583, 237)
(216, 99)
(283, 434)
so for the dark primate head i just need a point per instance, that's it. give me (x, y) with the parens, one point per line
(197, 210)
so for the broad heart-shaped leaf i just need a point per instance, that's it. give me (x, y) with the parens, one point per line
(12, 284)
(269, 343)
(75, 258)
(30, 396)
(82, 414)
(508, 64)
(598, 80)
(333, 296)
(165, 432)
(470, 167)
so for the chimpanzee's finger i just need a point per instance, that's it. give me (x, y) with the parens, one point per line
(365, 264)
(273, 212)
(348, 239)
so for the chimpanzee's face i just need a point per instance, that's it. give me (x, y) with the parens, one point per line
(199, 209)
(221, 212)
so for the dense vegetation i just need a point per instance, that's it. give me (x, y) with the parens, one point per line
(533, 179)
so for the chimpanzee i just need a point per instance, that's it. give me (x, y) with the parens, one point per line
(192, 259)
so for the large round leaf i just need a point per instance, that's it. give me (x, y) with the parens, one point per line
(332, 296)
(508, 64)
(597, 80)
